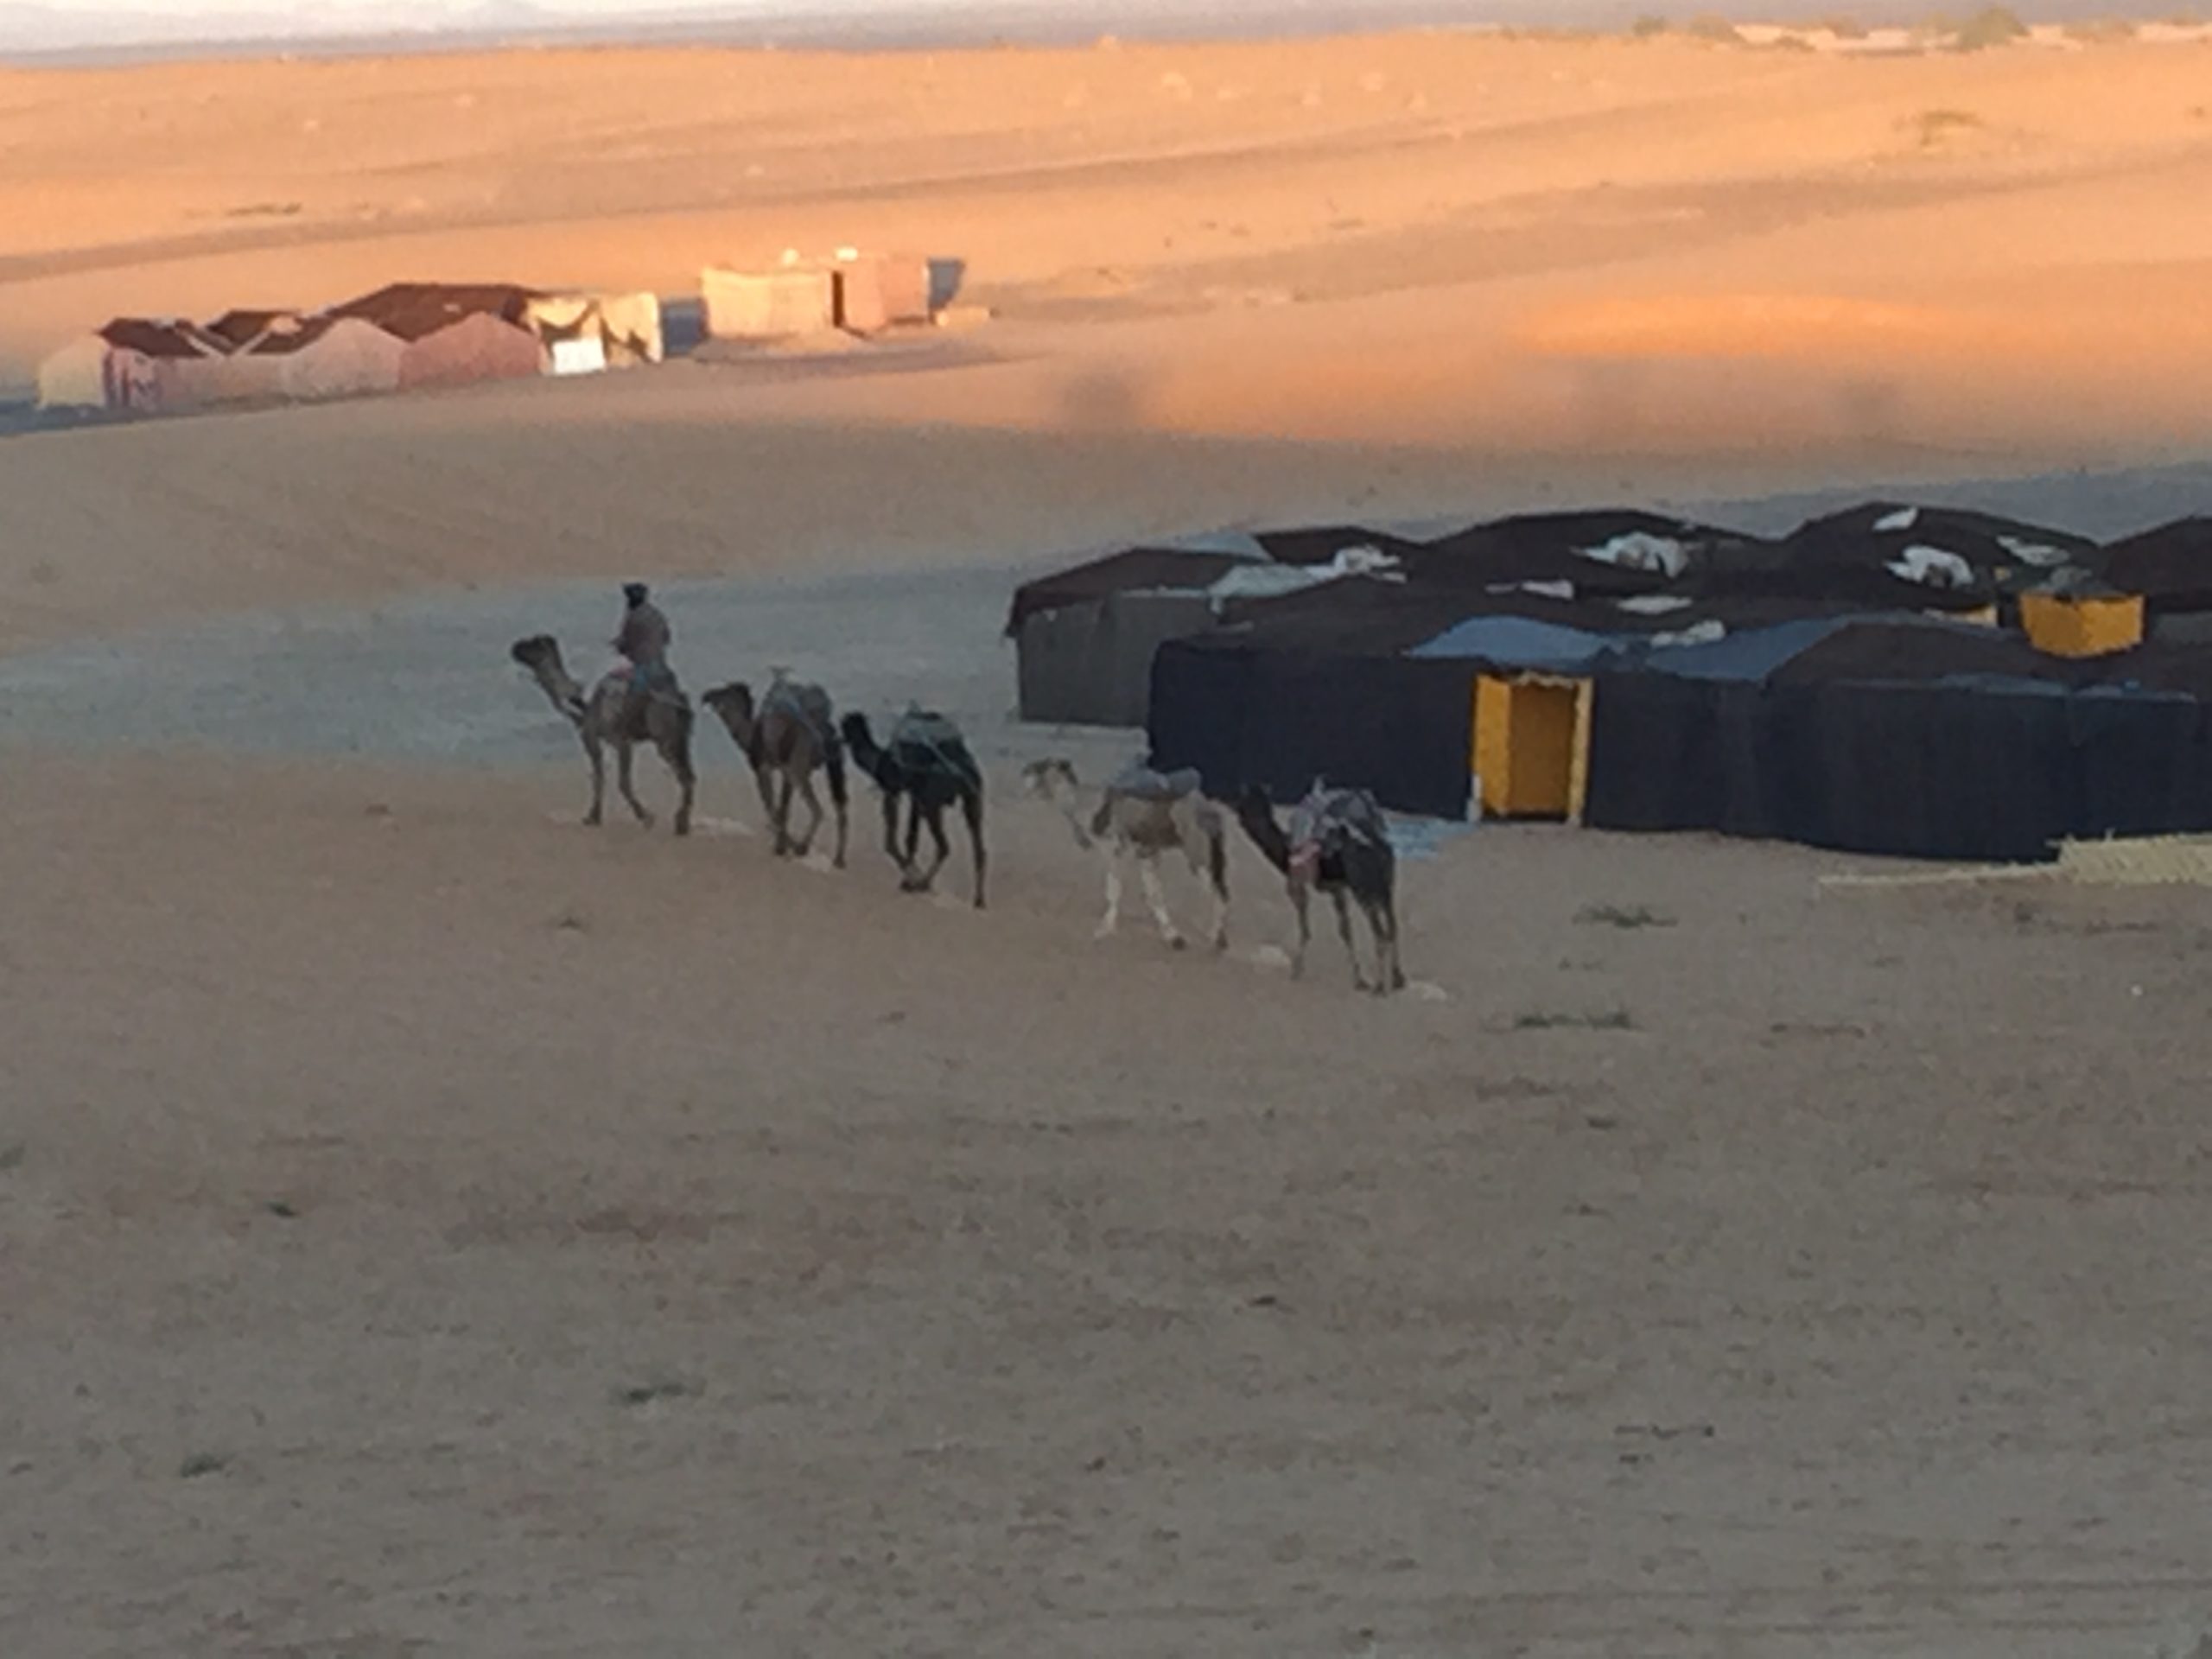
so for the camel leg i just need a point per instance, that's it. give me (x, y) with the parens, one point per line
(1386, 913)
(624, 756)
(833, 764)
(1217, 878)
(971, 808)
(891, 832)
(595, 753)
(940, 842)
(1351, 950)
(1112, 858)
(805, 842)
(1298, 903)
(687, 782)
(915, 881)
(783, 845)
(765, 783)
(1148, 872)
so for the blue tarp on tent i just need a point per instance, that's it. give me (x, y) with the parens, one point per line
(1522, 642)
(1752, 654)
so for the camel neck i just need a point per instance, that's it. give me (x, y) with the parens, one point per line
(1267, 835)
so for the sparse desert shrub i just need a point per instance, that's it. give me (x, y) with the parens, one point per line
(1647, 27)
(1622, 916)
(1611, 1020)
(1712, 26)
(2101, 31)
(1996, 26)
(1931, 127)
(1844, 29)
(656, 1390)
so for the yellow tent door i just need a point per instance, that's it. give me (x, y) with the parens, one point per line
(1532, 744)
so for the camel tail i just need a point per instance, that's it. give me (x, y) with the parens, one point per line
(833, 762)
(1102, 819)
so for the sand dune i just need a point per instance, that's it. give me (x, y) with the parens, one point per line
(1539, 267)
(1451, 172)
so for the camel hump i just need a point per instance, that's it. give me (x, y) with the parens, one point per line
(1144, 782)
(925, 726)
(807, 704)
(1330, 817)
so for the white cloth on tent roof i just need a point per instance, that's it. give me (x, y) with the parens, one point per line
(1271, 580)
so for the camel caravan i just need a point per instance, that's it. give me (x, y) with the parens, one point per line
(1337, 842)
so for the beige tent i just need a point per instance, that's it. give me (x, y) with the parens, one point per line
(330, 357)
(874, 291)
(134, 363)
(626, 326)
(768, 305)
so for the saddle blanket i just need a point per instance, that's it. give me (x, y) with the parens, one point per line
(1140, 782)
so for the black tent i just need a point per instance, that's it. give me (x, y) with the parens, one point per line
(2172, 567)
(1912, 738)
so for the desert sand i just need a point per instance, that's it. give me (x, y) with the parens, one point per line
(428, 1227)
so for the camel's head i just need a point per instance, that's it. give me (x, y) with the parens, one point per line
(733, 704)
(853, 728)
(537, 653)
(1253, 805)
(542, 657)
(1045, 778)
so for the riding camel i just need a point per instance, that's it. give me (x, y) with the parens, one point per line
(608, 716)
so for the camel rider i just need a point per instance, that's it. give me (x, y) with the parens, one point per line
(642, 641)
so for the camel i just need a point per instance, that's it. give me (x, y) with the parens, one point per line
(927, 764)
(790, 736)
(1339, 844)
(608, 717)
(1143, 814)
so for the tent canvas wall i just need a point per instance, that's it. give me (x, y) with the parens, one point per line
(76, 376)
(1085, 636)
(612, 331)
(134, 363)
(481, 346)
(334, 357)
(1933, 745)
(1089, 664)
(1400, 726)
(767, 305)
